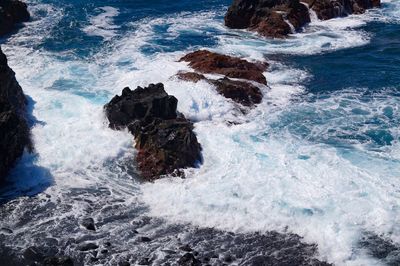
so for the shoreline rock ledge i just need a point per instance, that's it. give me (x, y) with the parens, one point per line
(12, 12)
(164, 138)
(279, 18)
(14, 131)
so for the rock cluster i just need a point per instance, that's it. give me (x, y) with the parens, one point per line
(164, 138)
(11, 13)
(278, 18)
(328, 9)
(243, 92)
(14, 131)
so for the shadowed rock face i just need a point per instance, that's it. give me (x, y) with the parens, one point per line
(11, 13)
(164, 138)
(14, 132)
(232, 67)
(271, 18)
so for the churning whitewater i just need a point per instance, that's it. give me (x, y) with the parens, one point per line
(319, 157)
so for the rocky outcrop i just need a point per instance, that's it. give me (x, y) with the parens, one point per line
(11, 13)
(267, 17)
(328, 9)
(14, 131)
(213, 63)
(239, 91)
(164, 138)
(243, 92)
(278, 18)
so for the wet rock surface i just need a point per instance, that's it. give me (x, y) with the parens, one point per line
(14, 131)
(164, 138)
(328, 9)
(267, 17)
(278, 18)
(241, 92)
(11, 13)
(232, 67)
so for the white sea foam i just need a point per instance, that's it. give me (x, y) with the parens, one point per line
(103, 24)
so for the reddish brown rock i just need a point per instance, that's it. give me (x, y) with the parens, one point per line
(232, 67)
(267, 17)
(164, 138)
(271, 18)
(240, 92)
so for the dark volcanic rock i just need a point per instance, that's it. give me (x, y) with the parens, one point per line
(327, 9)
(232, 67)
(12, 12)
(14, 132)
(239, 91)
(267, 17)
(164, 138)
(270, 17)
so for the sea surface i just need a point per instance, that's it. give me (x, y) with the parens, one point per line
(318, 161)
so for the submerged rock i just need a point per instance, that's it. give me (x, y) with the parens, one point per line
(232, 67)
(278, 18)
(11, 13)
(14, 131)
(164, 138)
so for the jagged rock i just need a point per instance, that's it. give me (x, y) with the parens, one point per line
(164, 137)
(271, 18)
(11, 13)
(213, 63)
(267, 17)
(14, 131)
(239, 91)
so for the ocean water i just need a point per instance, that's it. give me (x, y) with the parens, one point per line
(319, 157)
